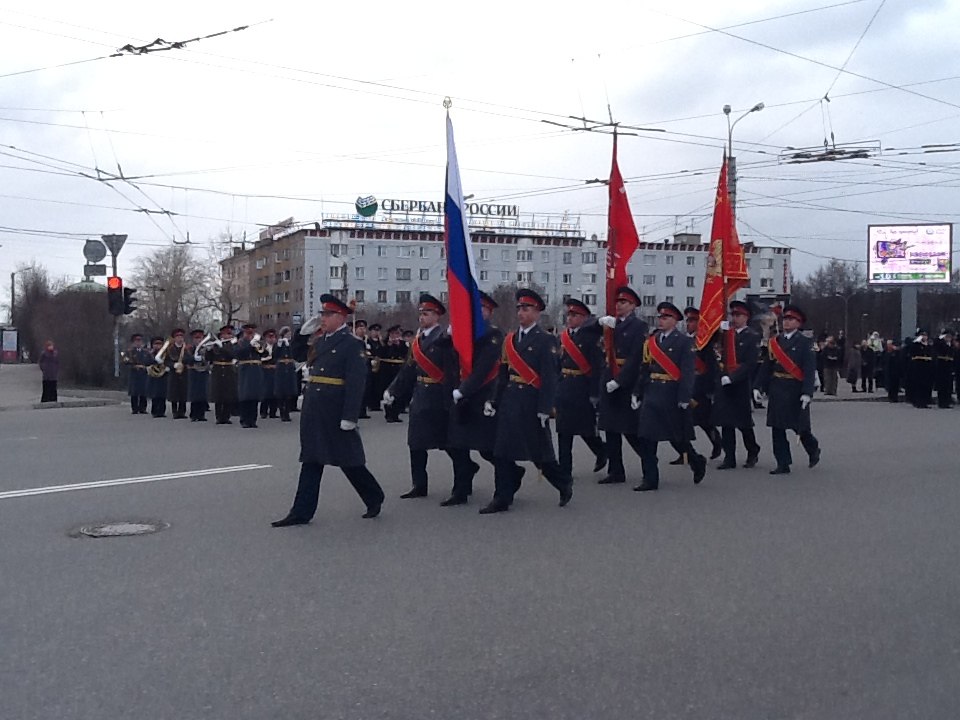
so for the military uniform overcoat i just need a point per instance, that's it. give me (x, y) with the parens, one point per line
(469, 427)
(198, 376)
(430, 401)
(339, 372)
(287, 380)
(157, 386)
(392, 358)
(176, 382)
(733, 403)
(783, 391)
(660, 416)
(520, 436)
(615, 413)
(249, 372)
(268, 377)
(137, 361)
(576, 414)
(223, 373)
(704, 383)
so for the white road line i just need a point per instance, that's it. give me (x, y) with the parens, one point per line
(10, 494)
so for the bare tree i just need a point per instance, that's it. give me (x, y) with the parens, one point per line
(33, 288)
(225, 296)
(173, 286)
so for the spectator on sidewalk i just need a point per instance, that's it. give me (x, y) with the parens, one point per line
(49, 363)
(853, 365)
(831, 366)
(868, 366)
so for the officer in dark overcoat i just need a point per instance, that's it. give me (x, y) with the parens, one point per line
(943, 362)
(373, 393)
(287, 380)
(157, 379)
(198, 377)
(705, 372)
(425, 378)
(526, 398)
(268, 380)
(662, 394)
(177, 379)
(223, 374)
(617, 420)
(578, 391)
(137, 358)
(739, 348)
(248, 354)
(788, 380)
(919, 369)
(392, 355)
(332, 401)
(471, 429)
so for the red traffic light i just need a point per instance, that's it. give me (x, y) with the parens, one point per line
(114, 283)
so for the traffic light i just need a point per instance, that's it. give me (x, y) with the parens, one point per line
(129, 301)
(115, 295)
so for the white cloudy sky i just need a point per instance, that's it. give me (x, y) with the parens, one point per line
(316, 104)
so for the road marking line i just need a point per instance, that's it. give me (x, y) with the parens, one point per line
(10, 494)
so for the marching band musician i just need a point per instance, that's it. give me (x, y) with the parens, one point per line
(331, 406)
(268, 363)
(249, 375)
(578, 392)
(198, 377)
(223, 374)
(287, 379)
(360, 331)
(788, 380)
(425, 377)
(156, 380)
(392, 356)
(662, 395)
(526, 391)
(374, 344)
(177, 382)
(137, 358)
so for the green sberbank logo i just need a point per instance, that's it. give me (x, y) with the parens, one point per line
(366, 206)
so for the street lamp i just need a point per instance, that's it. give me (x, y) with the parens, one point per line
(846, 302)
(731, 160)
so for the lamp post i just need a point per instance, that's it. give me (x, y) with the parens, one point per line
(731, 160)
(846, 303)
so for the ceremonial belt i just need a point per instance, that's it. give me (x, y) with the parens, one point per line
(519, 380)
(427, 380)
(621, 361)
(921, 357)
(324, 380)
(221, 362)
(662, 359)
(780, 355)
(139, 367)
(572, 372)
(425, 363)
(944, 357)
(247, 362)
(663, 377)
(392, 361)
(699, 365)
(269, 367)
(197, 368)
(575, 353)
(524, 372)
(783, 375)
(286, 360)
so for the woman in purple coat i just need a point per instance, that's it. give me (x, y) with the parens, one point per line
(49, 363)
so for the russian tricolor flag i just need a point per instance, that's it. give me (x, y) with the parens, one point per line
(464, 294)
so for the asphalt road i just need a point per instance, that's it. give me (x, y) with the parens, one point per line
(829, 593)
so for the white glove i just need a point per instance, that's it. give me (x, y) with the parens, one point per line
(634, 402)
(457, 396)
(724, 324)
(612, 385)
(757, 396)
(608, 321)
(805, 401)
(387, 398)
(347, 425)
(683, 406)
(488, 409)
(725, 380)
(543, 418)
(450, 329)
(196, 356)
(594, 401)
(218, 342)
(233, 362)
(310, 326)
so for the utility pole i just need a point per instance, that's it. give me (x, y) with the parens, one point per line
(13, 296)
(731, 160)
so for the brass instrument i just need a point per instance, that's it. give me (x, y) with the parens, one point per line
(163, 352)
(178, 365)
(157, 370)
(256, 344)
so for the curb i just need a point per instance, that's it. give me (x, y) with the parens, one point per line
(69, 403)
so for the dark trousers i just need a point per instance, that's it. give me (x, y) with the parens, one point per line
(138, 403)
(222, 411)
(248, 413)
(179, 408)
(308, 488)
(651, 465)
(615, 452)
(893, 389)
(284, 405)
(392, 411)
(418, 466)
(507, 478)
(728, 438)
(198, 409)
(158, 407)
(48, 392)
(565, 449)
(464, 468)
(268, 407)
(866, 380)
(781, 446)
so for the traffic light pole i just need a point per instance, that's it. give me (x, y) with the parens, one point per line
(116, 329)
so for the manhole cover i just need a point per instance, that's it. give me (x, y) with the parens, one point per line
(123, 528)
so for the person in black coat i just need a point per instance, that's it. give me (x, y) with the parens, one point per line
(578, 392)
(331, 407)
(662, 394)
(177, 379)
(733, 397)
(223, 374)
(701, 399)
(944, 361)
(892, 370)
(287, 381)
(268, 376)
(617, 419)
(137, 358)
(788, 380)
(425, 378)
(157, 380)
(249, 354)
(470, 428)
(373, 345)
(526, 397)
(198, 377)
(392, 356)
(919, 370)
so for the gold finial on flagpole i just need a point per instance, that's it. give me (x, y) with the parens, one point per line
(447, 102)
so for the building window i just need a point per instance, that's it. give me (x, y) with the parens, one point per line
(382, 251)
(669, 298)
(649, 279)
(358, 250)
(338, 250)
(649, 259)
(649, 300)
(484, 275)
(590, 278)
(748, 262)
(381, 273)
(544, 256)
(336, 271)
(286, 296)
(766, 283)
(567, 278)
(424, 274)
(358, 273)
(403, 296)
(544, 277)
(524, 277)
(669, 259)
(766, 264)
(381, 296)
(424, 251)
(443, 273)
(403, 274)
(568, 258)
(691, 281)
(286, 275)
(404, 251)
(689, 300)
(504, 276)
(524, 255)
(691, 260)
(484, 253)
(588, 258)
(590, 299)
(505, 255)
(669, 280)
(358, 295)
(443, 251)
(444, 297)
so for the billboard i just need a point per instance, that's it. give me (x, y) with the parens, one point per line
(909, 254)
